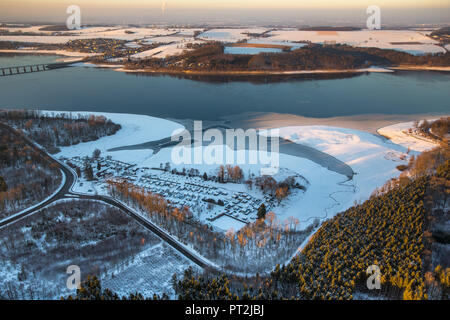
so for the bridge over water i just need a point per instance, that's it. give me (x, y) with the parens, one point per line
(16, 70)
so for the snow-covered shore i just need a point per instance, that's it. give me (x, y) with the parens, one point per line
(256, 73)
(65, 53)
(136, 129)
(399, 134)
(373, 158)
(173, 49)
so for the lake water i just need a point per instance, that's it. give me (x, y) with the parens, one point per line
(93, 89)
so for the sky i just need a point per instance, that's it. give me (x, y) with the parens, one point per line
(260, 12)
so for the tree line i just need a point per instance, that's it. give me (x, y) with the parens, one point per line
(254, 248)
(26, 177)
(53, 130)
(397, 229)
(211, 57)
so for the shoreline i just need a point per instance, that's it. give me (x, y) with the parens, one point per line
(370, 123)
(420, 68)
(66, 55)
(121, 68)
(281, 73)
(254, 73)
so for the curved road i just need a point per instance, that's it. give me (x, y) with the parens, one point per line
(60, 194)
(65, 192)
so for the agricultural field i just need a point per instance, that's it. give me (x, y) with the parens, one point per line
(173, 41)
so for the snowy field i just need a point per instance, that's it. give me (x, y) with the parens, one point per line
(171, 46)
(410, 41)
(136, 129)
(226, 223)
(229, 35)
(373, 158)
(33, 262)
(160, 52)
(175, 39)
(249, 50)
(148, 273)
(120, 33)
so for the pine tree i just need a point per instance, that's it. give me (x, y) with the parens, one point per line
(89, 172)
(3, 185)
(262, 211)
(96, 153)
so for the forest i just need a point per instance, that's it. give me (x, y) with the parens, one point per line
(402, 229)
(53, 130)
(255, 248)
(211, 57)
(35, 251)
(26, 177)
(435, 130)
(92, 289)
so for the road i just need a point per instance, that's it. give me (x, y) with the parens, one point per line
(65, 192)
(70, 178)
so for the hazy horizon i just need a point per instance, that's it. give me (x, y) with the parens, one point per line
(261, 12)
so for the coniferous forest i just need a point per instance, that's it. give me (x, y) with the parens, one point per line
(400, 230)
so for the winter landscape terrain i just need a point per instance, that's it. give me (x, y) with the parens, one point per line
(120, 164)
(226, 208)
(173, 41)
(327, 192)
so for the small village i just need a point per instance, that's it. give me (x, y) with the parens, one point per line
(209, 201)
(108, 48)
